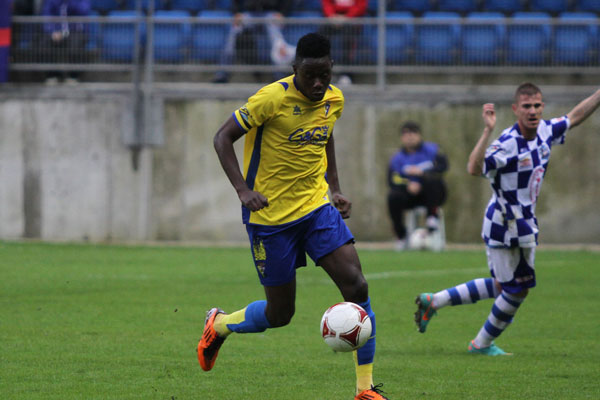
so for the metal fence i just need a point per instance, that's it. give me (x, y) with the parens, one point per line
(395, 43)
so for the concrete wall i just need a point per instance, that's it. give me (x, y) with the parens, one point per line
(65, 174)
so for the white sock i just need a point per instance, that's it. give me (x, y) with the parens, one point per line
(466, 293)
(503, 310)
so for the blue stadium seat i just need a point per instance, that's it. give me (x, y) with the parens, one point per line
(191, 6)
(549, 6)
(483, 37)
(528, 38)
(93, 30)
(588, 5)
(118, 39)
(575, 38)
(293, 32)
(208, 39)
(105, 6)
(399, 37)
(503, 6)
(225, 5)
(171, 35)
(437, 39)
(308, 5)
(414, 6)
(459, 6)
(158, 4)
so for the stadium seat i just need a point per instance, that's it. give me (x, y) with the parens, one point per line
(191, 6)
(399, 37)
(414, 6)
(209, 36)
(588, 5)
(171, 34)
(503, 6)
(459, 6)
(225, 5)
(158, 4)
(308, 5)
(528, 38)
(118, 38)
(549, 6)
(294, 31)
(575, 38)
(105, 6)
(373, 7)
(483, 37)
(437, 38)
(93, 31)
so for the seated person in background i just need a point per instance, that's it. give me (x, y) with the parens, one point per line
(64, 42)
(339, 11)
(415, 179)
(242, 35)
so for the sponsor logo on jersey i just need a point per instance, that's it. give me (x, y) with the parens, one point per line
(544, 151)
(525, 163)
(327, 107)
(315, 136)
(297, 110)
(260, 255)
(535, 182)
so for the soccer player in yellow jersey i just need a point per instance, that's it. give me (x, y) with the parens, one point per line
(289, 167)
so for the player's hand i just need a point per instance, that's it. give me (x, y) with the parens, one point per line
(413, 170)
(252, 200)
(489, 116)
(413, 187)
(342, 204)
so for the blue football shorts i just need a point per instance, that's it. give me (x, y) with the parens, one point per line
(512, 267)
(278, 250)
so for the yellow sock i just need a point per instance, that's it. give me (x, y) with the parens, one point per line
(222, 320)
(364, 375)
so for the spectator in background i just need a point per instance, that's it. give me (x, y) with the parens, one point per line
(339, 11)
(242, 35)
(415, 179)
(63, 41)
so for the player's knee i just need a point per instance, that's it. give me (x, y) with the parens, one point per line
(359, 290)
(281, 318)
(523, 293)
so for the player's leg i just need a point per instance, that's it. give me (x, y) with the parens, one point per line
(329, 243)
(275, 258)
(433, 195)
(464, 293)
(514, 269)
(398, 203)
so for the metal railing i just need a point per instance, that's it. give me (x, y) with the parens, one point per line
(373, 46)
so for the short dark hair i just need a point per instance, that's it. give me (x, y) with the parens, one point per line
(410, 126)
(313, 45)
(528, 89)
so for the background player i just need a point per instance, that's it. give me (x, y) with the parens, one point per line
(289, 148)
(515, 165)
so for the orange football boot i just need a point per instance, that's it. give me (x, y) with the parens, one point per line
(209, 345)
(375, 393)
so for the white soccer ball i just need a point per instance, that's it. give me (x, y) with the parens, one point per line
(346, 327)
(419, 239)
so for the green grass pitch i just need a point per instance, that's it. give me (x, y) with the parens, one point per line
(123, 322)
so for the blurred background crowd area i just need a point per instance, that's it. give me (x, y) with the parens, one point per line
(104, 39)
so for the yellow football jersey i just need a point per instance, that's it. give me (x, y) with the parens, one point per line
(284, 151)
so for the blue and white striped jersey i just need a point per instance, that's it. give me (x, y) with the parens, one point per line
(516, 168)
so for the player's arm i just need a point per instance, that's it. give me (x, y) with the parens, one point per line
(341, 202)
(584, 109)
(223, 142)
(475, 164)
